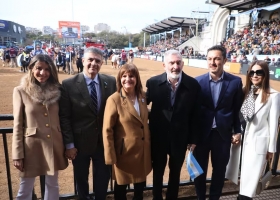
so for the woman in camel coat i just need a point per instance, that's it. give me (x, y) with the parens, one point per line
(260, 110)
(126, 134)
(37, 147)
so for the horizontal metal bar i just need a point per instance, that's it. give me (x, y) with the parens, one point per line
(6, 117)
(6, 130)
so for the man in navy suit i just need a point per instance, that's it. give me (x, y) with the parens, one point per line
(222, 99)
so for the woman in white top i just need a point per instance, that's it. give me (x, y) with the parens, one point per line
(260, 110)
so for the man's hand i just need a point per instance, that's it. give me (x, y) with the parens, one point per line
(235, 139)
(19, 164)
(191, 147)
(71, 153)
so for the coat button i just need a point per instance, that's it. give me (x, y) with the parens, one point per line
(48, 136)
(26, 133)
(142, 138)
(142, 127)
(46, 114)
(47, 125)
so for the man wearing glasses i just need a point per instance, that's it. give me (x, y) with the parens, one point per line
(82, 104)
(222, 99)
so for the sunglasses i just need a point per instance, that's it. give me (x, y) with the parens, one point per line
(259, 72)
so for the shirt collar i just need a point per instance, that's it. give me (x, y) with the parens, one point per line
(220, 79)
(89, 80)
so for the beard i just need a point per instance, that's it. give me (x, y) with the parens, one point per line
(173, 76)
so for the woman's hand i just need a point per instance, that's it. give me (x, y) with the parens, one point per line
(236, 138)
(269, 156)
(19, 164)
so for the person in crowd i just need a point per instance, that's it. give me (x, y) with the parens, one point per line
(37, 51)
(13, 56)
(126, 134)
(82, 105)
(260, 110)
(69, 64)
(123, 58)
(114, 61)
(37, 146)
(267, 59)
(131, 56)
(173, 121)
(254, 58)
(105, 55)
(7, 57)
(222, 99)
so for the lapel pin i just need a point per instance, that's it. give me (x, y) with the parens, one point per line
(142, 100)
(105, 83)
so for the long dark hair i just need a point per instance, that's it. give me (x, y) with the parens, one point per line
(132, 69)
(265, 86)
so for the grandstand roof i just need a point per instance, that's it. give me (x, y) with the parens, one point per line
(242, 5)
(170, 24)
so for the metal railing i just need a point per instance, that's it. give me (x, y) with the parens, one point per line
(8, 130)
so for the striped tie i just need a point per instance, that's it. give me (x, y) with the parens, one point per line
(93, 96)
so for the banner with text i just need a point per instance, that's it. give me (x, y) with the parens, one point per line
(69, 29)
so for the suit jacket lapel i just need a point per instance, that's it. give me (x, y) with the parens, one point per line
(224, 87)
(205, 83)
(258, 103)
(103, 86)
(82, 87)
(164, 90)
(129, 107)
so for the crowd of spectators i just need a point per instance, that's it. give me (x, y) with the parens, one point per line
(261, 39)
(163, 45)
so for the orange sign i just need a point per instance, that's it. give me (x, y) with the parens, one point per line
(69, 29)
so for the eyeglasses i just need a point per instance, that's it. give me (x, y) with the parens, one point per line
(259, 72)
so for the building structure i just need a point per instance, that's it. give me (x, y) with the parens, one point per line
(11, 32)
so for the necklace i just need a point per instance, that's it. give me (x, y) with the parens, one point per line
(132, 98)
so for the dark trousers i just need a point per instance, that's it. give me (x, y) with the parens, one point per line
(220, 152)
(101, 174)
(175, 163)
(120, 191)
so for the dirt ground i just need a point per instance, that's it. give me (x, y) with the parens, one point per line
(10, 77)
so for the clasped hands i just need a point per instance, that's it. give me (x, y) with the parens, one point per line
(71, 153)
(235, 139)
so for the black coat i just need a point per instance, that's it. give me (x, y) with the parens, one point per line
(173, 127)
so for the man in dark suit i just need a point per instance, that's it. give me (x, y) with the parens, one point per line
(82, 104)
(173, 121)
(222, 99)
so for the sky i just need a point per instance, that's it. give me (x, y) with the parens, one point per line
(129, 16)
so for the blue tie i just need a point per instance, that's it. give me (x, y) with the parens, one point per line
(93, 96)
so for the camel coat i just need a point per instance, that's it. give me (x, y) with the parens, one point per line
(126, 139)
(36, 135)
(259, 138)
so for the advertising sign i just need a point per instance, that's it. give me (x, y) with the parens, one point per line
(69, 29)
(4, 25)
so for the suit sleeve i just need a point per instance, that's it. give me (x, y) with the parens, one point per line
(110, 118)
(65, 113)
(17, 143)
(237, 105)
(273, 122)
(195, 119)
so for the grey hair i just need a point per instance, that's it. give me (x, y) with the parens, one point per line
(172, 52)
(93, 50)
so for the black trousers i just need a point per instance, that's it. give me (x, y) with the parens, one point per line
(220, 152)
(120, 191)
(101, 174)
(159, 158)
